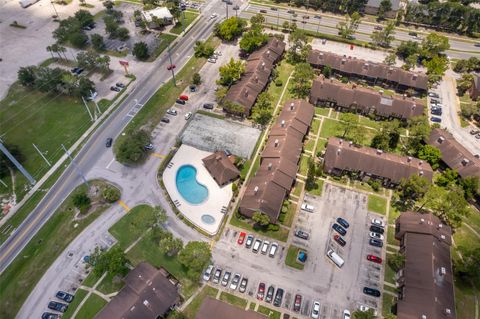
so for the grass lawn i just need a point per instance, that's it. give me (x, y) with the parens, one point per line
(331, 128)
(281, 234)
(393, 215)
(191, 310)
(464, 300)
(291, 259)
(297, 190)
(389, 273)
(284, 70)
(252, 306)
(233, 300)
(464, 237)
(315, 126)
(364, 186)
(317, 189)
(189, 17)
(165, 40)
(322, 111)
(321, 146)
(303, 170)
(388, 302)
(287, 213)
(270, 313)
(391, 236)
(79, 296)
(369, 122)
(473, 220)
(377, 204)
(134, 224)
(23, 273)
(110, 284)
(309, 146)
(91, 307)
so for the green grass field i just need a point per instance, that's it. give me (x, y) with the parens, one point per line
(233, 300)
(165, 40)
(291, 259)
(270, 313)
(189, 17)
(191, 310)
(91, 307)
(80, 294)
(377, 204)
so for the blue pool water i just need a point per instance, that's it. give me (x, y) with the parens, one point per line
(188, 186)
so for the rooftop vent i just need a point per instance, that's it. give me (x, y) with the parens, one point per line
(442, 237)
(424, 316)
(448, 311)
(422, 220)
(421, 173)
(465, 162)
(276, 143)
(441, 139)
(420, 163)
(443, 271)
(292, 106)
(255, 190)
(339, 151)
(365, 66)
(246, 93)
(409, 159)
(321, 54)
(270, 166)
(350, 143)
(344, 60)
(340, 142)
(282, 123)
(146, 303)
(440, 226)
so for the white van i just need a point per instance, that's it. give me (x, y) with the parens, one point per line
(273, 250)
(256, 245)
(335, 258)
(266, 243)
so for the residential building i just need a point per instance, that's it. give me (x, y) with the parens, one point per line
(454, 154)
(425, 282)
(369, 72)
(266, 191)
(368, 163)
(258, 69)
(157, 17)
(354, 98)
(221, 167)
(215, 309)
(475, 88)
(372, 7)
(149, 293)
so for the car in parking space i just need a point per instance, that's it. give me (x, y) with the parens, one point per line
(434, 101)
(377, 229)
(346, 314)
(297, 303)
(241, 238)
(256, 245)
(477, 44)
(291, 11)
(433, 94)
(339, 240)
(183, 97)
(436, 111)
(243, 285)
(115, 88)
(108, 142)
(76, 71)
(165, 120)
(376, 235)
(208, 106)
(273, 9)
(188, 116)
(474, 132)
(315, 309)
(306, 17)
(182, 102)
(376, 242)
(371, 291)
(62, 295)
(439, 106)
(277, 302)
(120, 85)
(317, 17)
(307, 207)
(193, 88)
(212, 60)
(435, 119)
(378, 222)
(226, 278)
(217, 275)
(273, 250)
(263, 11)
(364, 308)
(208, 273)
(374, 259)
(343, 222)
(235, 281)
(57, 306)
(249, 241)
(265, 246)
(49, 315)
(378, 28)
(172, 112)
(301, 234)
(339, 229)
(261, 291)
(269, 296)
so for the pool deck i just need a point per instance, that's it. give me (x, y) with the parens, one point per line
(218, 197)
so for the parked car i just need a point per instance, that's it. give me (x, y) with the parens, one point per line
(364, 308)
(212, 60)
(433, 94)
(217, 276)
(188, 116)
(261, 291)
(477, 44)
(208, 106)
(277, 302)
(306, 17)
(374, 259)
(57, 306)
(178, 101)
(208, 273)
(371, 292)
(108, 142)
(226, 278)
(434, 101)
(120, 85)
(413, 34)
(376, 235)
(235, 282)
(376, 242)
(379, 28)
(291, 11)
(298, 303)
(172, 112)
(378, 222)
(377, 229)
(183, 97)
(273, 250)
(346, 314)
(273, 9)
(241, 238)
(340, 240)
(49, 315)
(301, 234)
(249, 241)
(474, 132)
(62, 295)
(435, 119)
(265, 246)
(269, 296)
(76, 71)
(256, 245)
(317, 17)
(115, 88)
(263, 11)
(243, 285)
(315, 309)
(343, 222)
(307, 207)
(339, 229)
(165, 120)
(149, 147)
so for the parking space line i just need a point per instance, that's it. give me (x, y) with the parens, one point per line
(158, 155)
(127, 209)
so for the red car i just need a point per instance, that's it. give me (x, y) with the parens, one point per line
(241, 238)
(374, 259)
(183, 97)
(261, 291)
(171, 67)
(298, 303)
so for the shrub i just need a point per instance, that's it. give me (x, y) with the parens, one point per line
(273, 227)
(374, 184)
(111, 194)
(278, 82)
(81, 201)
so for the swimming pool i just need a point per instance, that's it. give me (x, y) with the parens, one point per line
(188, 186)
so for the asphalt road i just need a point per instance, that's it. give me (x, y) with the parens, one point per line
(112, 127)
(327, 24)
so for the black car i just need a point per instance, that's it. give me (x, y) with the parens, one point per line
(436, 119)
(178, 101)
(291, 11)
(343, 222)
(277, 302)
(76, 71)
(269, 296)
(263, 11)
(339, 229)
(376, 242)
(436, 111)
(377, 229)
(208, 106)
(301, 234)
(64, 296)
(108, 142)
(165, 120)
(120, 85)
(371, 292)
(49, 315)
(317, 17)
(413, 34)
(58, 306)
(273, 9)
(193, 88)
(115, 88)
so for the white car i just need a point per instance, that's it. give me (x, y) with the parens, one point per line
(188, 115)
(315, 309)
(218, 53)
(378, 222)
(346, 314)
(376, 235)
(307, 207)
(208, 273)
(212, 60)
(172, 112)
(235, 282)
(364, 308)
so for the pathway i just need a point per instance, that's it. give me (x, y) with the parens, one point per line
(90, 291)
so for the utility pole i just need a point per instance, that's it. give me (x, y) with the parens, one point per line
(171, 63)
(79, 172)
(54, 9)
(183, 21)
(226, 7)
(41, 154)
(88, 110)
(4, 150)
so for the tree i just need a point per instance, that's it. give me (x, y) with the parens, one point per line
(257, 20)
(170, 245)
(385, 6)
(50, 80)
(195, 256)
(81, 201)
(233, 108)
(253, 39)
(466, 267)
(87, 59)
(78, 39)
(299, 47)
(230, 28)
(203, 50)
(447, 178)
(347, 28)
(231, 72)
(390, 59)
(327, 71)
(262, 116)
(131, 149)
(140, 51)
(431, 154)
(111, 194)
(369, 314)
(196, 79)
(384, 37)
(103, 63)
(465, 83)
(286, 26)
(302, 80)
(412, 189)
(111, 25)
(97, 42)
(108, 5)
(352, 130)
(84, 17)
(112, 261)
(419, 131)
(396, 261)
(261, 219)
(434, 44)
(123, 34)
(436, 68)
(85, 87)
(471, 186)
(27, 75)
(469, 110)
(408, 48)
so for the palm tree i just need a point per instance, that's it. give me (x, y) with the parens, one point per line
(62, 50)
(49, 49)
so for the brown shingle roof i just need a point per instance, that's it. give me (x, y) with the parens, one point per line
(454, 154)
(147, 294)
(365, 100)
(342, 155)
(427, 279)
(221, 168)
(216, 309)
(353, 66)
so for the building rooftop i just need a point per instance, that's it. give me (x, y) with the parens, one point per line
(221, 168)
(159, 12)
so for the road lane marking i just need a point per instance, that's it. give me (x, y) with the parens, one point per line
(158, 155)
(127, 209)
(111, 162)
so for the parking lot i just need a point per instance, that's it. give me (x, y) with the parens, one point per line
(335, 288)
